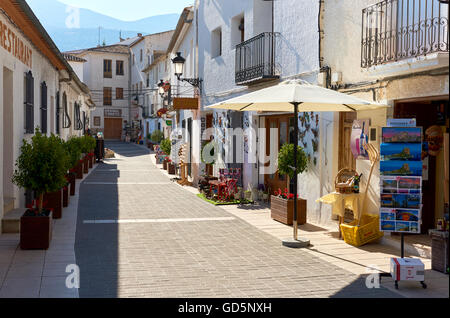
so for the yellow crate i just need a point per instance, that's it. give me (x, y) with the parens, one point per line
(360, 235)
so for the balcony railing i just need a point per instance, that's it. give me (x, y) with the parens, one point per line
(394, 30)
(255, 59)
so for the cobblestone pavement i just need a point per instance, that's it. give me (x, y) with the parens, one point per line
(140, 235)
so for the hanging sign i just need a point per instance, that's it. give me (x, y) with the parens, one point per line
(169, 123)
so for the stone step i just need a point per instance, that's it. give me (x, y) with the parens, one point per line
(8, 204)
(11, 221)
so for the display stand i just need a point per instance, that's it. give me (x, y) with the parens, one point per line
(183, 154)
(401, 196)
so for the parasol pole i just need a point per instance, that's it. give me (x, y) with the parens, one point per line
(296, 242)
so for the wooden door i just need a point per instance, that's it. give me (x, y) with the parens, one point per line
(346, 158)
(113, 128)
(284, 124)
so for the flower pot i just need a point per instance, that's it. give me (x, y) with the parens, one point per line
(35, 232)
(71, 177)
(91, 161)
(79, 170)
(54, 201)
(66, 196)
(165, 163)
(283, 210)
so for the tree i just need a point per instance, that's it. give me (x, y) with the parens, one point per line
(41, 166)
(286, 160)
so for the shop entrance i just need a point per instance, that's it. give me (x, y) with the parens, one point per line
(429, 112)
(7, 135)
(285, 125)
(346, 158)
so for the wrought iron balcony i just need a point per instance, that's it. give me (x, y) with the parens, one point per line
(255, 59)
(394, 30)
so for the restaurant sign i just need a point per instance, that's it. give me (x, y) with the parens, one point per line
(116, 113)
(185, 103)
(14, 45)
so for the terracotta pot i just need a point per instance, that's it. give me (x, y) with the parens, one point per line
(283, 210)
(54, 201)
(35, 232)
(66, 196)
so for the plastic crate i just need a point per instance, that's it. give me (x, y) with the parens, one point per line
(360, 235)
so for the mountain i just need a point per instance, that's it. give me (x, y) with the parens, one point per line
(54, 16)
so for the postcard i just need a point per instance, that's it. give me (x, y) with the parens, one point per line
(402, 226)
(408, 215)
(402, 135)
(399, 151)
(387, 226)
(389, 183)
(401, 168)
(414, 227)
(388, 214)
(403, 201)
(411, 183)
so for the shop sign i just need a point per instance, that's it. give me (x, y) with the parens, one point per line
(14, 45)
(185, 103)
(169, 123)
(401, 122)
(115, 113)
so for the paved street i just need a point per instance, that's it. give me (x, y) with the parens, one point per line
(140, 235)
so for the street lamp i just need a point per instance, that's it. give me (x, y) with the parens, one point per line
(178, 62)
(161, 90)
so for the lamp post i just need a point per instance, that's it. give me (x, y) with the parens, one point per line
(178, 62)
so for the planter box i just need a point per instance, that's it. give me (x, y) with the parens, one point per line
(165, 164)
(283, 210)
(72, 182)
(171, 168)
(91, 162)
(79, 170)
(85, 164)
(66, 196)
(54, 201)
(35, 232)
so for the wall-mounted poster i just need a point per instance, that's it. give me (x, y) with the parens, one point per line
(359, 138)
(402, 135)
(401, 151)
(401, 168)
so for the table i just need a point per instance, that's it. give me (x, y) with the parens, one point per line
(340, 202)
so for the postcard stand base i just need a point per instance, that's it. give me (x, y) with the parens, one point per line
(402, 240)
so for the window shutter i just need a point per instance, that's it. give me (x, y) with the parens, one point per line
(66, 121)
(44, 108)
(58, 105)
(29, 103)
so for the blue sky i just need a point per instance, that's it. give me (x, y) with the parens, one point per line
(131, 10)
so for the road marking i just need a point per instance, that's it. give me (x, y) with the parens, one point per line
(128, 221)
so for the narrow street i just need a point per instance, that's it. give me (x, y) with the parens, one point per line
(140, 235)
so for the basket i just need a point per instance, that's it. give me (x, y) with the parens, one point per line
(361, 235)
(344, 181)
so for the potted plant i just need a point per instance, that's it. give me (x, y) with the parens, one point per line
(282, 203)
(166, 147)
(157, 136)
(86, 149)
(74, 153)
(40, 168)
(248, 195)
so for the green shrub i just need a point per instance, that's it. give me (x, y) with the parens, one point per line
(73, 150)
(42, 165)
(87, 144)
(166, 146)
(286, 160)
(157, 136)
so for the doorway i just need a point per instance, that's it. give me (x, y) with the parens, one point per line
(428, 112)
(8, 133)
(113, 128)
(346, 158)
(285, 126)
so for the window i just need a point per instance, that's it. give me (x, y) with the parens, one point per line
(57, 113)
(97, 121)
(29, 103)
(107, 96)
(66, 119)
(44, 108)
(237, 30)
(133, 58)
(119, 68)
(77, 116)
(140, 87)
(141, 55)
(119, 93)
(107, 71)
(216, 42)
